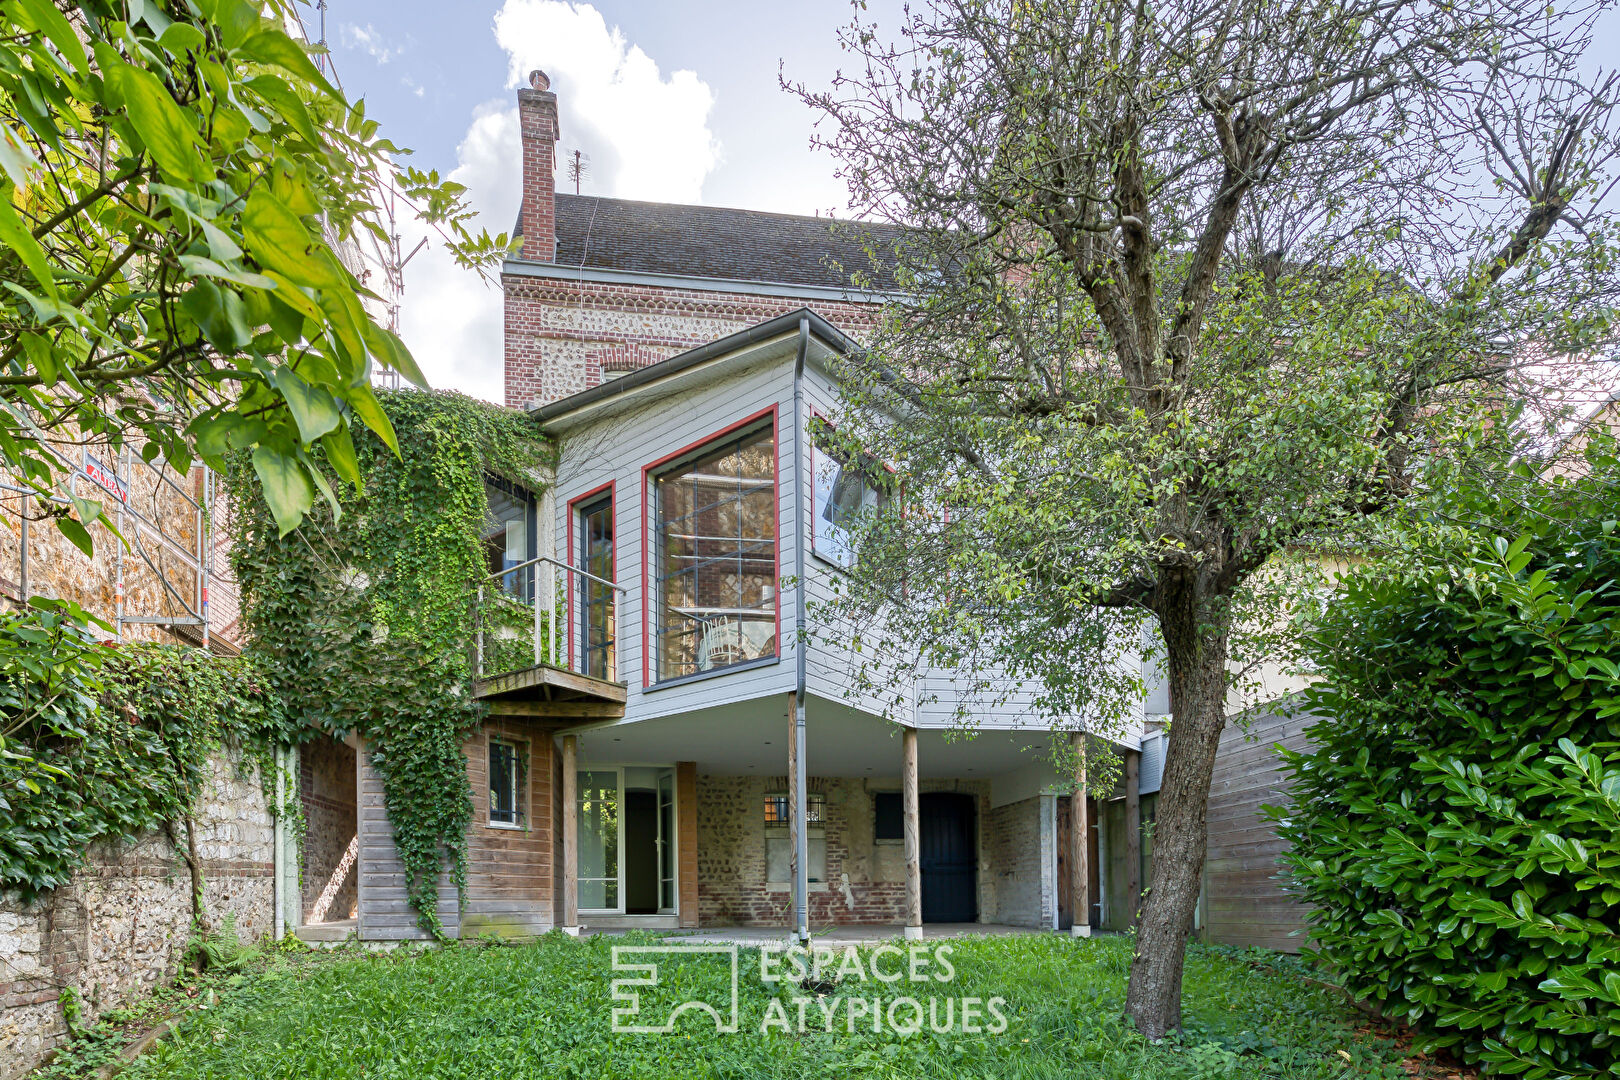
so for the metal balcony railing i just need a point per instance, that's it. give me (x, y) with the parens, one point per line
(522, 620)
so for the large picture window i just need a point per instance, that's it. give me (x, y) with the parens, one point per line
(715, 556)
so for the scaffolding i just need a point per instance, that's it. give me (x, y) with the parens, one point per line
(167, 549)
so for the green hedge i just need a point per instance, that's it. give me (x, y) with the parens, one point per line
(1456, 827)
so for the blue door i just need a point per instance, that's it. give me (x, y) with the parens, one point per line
(949, 857)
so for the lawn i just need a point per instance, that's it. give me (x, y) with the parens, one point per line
(545, 1010)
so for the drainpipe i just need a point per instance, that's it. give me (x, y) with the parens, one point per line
(278, 858)
(801, 854)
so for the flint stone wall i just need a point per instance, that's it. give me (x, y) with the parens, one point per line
(121, 925)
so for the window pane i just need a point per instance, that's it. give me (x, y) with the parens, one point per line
(716, 565)
(598, 648)
(502, 783)
(888, 816)
(843, 497)
(666, 840)
(598, 865)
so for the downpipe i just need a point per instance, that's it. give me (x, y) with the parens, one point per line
(801, 853)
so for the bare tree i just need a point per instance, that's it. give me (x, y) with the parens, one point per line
(1197, 284)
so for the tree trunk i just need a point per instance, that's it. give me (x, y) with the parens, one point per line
(1196, 641)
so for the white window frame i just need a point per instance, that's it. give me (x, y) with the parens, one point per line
(829, 542)
(675, 849)
(779, 830)
(518, 814)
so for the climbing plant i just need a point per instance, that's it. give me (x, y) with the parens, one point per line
(365, 616)
(108, 742)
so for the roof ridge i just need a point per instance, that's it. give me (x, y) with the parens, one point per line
(734, 209)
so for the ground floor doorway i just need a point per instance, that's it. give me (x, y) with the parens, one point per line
(627, 843)
(948, 857)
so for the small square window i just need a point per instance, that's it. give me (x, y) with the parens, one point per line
(888, 819)
(503, 784)
(777, 811)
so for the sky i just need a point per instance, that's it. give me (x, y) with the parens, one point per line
(676, 102)
(666, 105)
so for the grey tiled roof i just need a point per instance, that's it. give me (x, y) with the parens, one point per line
(718, 242)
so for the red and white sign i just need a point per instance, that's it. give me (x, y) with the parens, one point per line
(103, 477)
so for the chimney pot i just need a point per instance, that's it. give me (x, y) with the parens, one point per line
(537, 124)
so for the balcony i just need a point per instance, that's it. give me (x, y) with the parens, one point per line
(531, 660)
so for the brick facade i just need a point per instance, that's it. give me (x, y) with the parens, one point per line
(865, 883)
(1020, 854)
(538, 126)
(566, 336)
(327, 792)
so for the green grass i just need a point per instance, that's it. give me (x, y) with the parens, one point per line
(544, 1010)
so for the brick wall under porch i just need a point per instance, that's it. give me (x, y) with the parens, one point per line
(865, 877)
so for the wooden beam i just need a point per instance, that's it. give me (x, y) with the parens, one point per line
(686, 869)
(1133, 834)
(913, 835)
(1079, 835)
(543, 680)
(558, 710)
(570, 837)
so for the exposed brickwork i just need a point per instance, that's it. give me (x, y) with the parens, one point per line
(537, 123)
(326, 788)
(566, 336)
(1017, 843)
(58, 569)
(865, 878)
(120, 925)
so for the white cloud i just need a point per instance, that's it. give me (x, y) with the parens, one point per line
(450, 317)
(647, 137)
(369, 40)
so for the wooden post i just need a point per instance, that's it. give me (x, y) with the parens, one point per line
(1133, 833)
(1079, 836)
(793, 814)
(570, 837)
(913, 834)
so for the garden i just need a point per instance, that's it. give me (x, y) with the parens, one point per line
(545, 1009)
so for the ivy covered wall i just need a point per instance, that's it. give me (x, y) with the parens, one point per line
(364, 617)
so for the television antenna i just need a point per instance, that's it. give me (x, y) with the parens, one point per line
(578, 166)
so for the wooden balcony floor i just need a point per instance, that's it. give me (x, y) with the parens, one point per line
(546, 690)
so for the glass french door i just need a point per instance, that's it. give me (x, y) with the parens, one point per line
(601, 838)
(666, 842)
(627, 846)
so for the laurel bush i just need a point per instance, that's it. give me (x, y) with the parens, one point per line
(1456, 824)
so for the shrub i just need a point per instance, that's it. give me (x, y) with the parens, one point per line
(1456, 826)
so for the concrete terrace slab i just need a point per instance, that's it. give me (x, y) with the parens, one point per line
(835, 936)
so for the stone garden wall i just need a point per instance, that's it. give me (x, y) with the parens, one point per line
(122, 924)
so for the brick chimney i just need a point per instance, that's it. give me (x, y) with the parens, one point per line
(537, 120)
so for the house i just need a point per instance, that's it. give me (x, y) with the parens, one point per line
(674, 742)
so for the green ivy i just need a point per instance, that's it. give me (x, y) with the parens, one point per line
(1456, 826)
(366, 618)
(108, 742)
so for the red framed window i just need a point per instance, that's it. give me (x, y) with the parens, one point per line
(713, 544)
